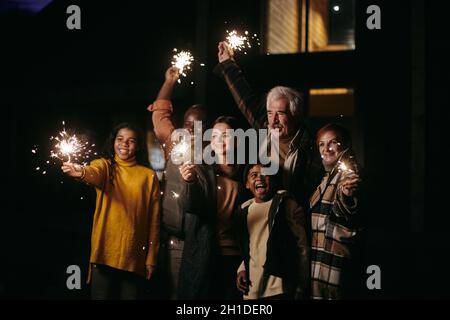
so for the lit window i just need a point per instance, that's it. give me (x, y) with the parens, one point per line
(294, 26)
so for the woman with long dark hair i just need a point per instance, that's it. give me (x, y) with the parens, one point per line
(125, 231)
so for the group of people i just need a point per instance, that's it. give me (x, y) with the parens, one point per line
(293, 239)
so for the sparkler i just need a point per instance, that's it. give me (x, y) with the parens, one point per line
(239, 42)
(181, 152)
(344, 168)
(70, 147)
(183, 61)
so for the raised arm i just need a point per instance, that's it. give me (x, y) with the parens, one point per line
(162, 111)
(250, 104)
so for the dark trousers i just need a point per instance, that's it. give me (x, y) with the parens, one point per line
(224, 284)
(109, 283)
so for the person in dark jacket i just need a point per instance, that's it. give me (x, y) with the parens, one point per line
(271, 233)
(174, 195)
(280, 111)
(215, 193)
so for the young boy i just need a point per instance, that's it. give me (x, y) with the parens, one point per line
(271, 232)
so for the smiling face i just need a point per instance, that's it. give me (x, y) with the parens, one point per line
(279, 117)
(220, 139)
(125, 144)
(329, 147)
(258, 184)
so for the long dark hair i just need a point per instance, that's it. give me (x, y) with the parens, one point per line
(141, 150)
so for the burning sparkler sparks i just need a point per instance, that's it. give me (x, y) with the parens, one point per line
(344, 168)
(183, 61)
(67, 148)
(181, 152)
(239, 42)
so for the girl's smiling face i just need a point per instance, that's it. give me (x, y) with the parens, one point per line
(329, 147)
(220, 140)
(125, 144)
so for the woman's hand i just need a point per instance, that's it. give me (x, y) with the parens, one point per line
(350, 185)
(225, 52)
(241, 282)
(72, 169)
(188, 172)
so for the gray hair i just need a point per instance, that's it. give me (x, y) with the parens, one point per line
(291, 95)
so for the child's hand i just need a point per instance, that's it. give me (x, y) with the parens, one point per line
(72, 169)
(241, 282)
(187, 172)
(149, 271)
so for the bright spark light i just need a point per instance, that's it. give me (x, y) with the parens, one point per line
(175, 195)
(70, 147)
(181, 152)
(344, 168)
(236, 41)
(183, 61)
(240, 42)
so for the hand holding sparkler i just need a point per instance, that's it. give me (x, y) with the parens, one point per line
(73, 169)
(225, 52)
(188, 173)
(172, 75)
(351, 181)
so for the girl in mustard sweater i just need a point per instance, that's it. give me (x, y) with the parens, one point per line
(125, 231)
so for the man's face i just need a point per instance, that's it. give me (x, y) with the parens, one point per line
(279, 117)
(258, 184)
(190, 118)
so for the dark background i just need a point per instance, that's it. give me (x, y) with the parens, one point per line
(112, 68)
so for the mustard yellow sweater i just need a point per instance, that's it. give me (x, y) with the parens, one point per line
(125, 231)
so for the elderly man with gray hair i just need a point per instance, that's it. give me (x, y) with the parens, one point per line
(281, 112)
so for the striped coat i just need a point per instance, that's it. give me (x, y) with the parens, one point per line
(335, 230)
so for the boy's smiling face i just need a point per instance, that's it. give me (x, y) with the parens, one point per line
(258, 184)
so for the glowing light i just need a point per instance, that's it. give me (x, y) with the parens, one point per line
(175, 195)
(182, 61)
(69, 147)
(181, 152)
(240, 42)
(236, 41)
(336, 8)
(344, 168)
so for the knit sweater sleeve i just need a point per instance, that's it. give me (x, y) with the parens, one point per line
(154, 222)
(96, 173)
